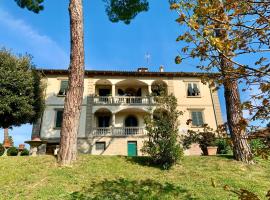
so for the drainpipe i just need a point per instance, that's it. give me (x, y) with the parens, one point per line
(214, 109)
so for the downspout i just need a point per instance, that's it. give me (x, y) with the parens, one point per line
(213, 105)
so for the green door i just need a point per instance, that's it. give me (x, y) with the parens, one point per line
(132, 148)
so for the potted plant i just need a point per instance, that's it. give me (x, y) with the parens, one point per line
(207, 142)
(206, 139)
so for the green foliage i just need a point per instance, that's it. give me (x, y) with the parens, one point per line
(12, 151)
(223, 146)
(205, 139)
(260, 147)
(162, 130)
(216, 31)
(256, 145)
(25, 152)
(2, 149)
(20, 90)
(125, 10)
(32, 5)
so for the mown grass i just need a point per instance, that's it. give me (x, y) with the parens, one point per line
(114, 177)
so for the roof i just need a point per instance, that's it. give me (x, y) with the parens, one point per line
(92, 73)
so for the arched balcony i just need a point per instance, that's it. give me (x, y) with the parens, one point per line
(126, 92)
(126, 122)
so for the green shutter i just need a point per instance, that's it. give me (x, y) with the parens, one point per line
(197, 118)
(59, 118)
(200, 118)
(63, 87)
(194, 118)
(190, 90)
(196, 89)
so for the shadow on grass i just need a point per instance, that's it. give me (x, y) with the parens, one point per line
(228, 156)
(144, 161)
(124, 189)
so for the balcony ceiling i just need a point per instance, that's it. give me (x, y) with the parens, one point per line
(131, 82)
(103, 82)
(132, 110)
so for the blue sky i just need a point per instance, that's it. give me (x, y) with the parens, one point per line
(108, 46)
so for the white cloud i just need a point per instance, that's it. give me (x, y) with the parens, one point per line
(21, 37)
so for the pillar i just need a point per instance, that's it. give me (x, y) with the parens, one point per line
(113, 90)
(149, 89)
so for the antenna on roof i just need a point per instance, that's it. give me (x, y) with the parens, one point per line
(147, 57)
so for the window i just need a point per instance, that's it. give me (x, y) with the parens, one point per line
(193, 90)
(197, 118)
(131, 121)
(103, 121)
(100, 146)
(63, 87)
(59, 118)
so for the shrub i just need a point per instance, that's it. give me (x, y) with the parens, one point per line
(223, 146)
(13, 151)
(2, 150)
(205, 139)
(256, 145)
(25, 152)
(162, 130)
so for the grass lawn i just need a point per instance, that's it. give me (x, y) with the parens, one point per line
(114, 177)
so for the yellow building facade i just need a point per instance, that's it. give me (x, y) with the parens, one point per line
(114, 106)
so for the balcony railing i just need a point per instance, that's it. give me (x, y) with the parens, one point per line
(118, 131)
(131, 100)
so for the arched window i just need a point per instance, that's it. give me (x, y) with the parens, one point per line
(131, 121)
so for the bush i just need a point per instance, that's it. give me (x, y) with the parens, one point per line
(205, 139)
(223, 146)
(2, 150)
(162, 131)
(25, 152)
(256, 145)
(13, 151)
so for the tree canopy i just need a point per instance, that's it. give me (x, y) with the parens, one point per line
(21, 99)
(117, 10)
(244, 44)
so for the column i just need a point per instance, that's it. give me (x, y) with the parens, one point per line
(113, 122)
(149, 92)
(113, 119)
(113, 90)
(149, 89)
(113, 93)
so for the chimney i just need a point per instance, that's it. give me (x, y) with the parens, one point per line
(142, 69)
(161, 68)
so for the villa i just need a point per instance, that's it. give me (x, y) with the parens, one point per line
(114, 106)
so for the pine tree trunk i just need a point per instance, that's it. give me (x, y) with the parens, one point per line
(235, 120)
(241, 149)
(74, 97)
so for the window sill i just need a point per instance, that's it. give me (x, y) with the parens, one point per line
(61, 95)
(194, 96)
(193, 126)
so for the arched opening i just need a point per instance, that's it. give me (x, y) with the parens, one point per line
(103, 118)
(131, 87)
(103, 88)
(158, 87)
(131, 121)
